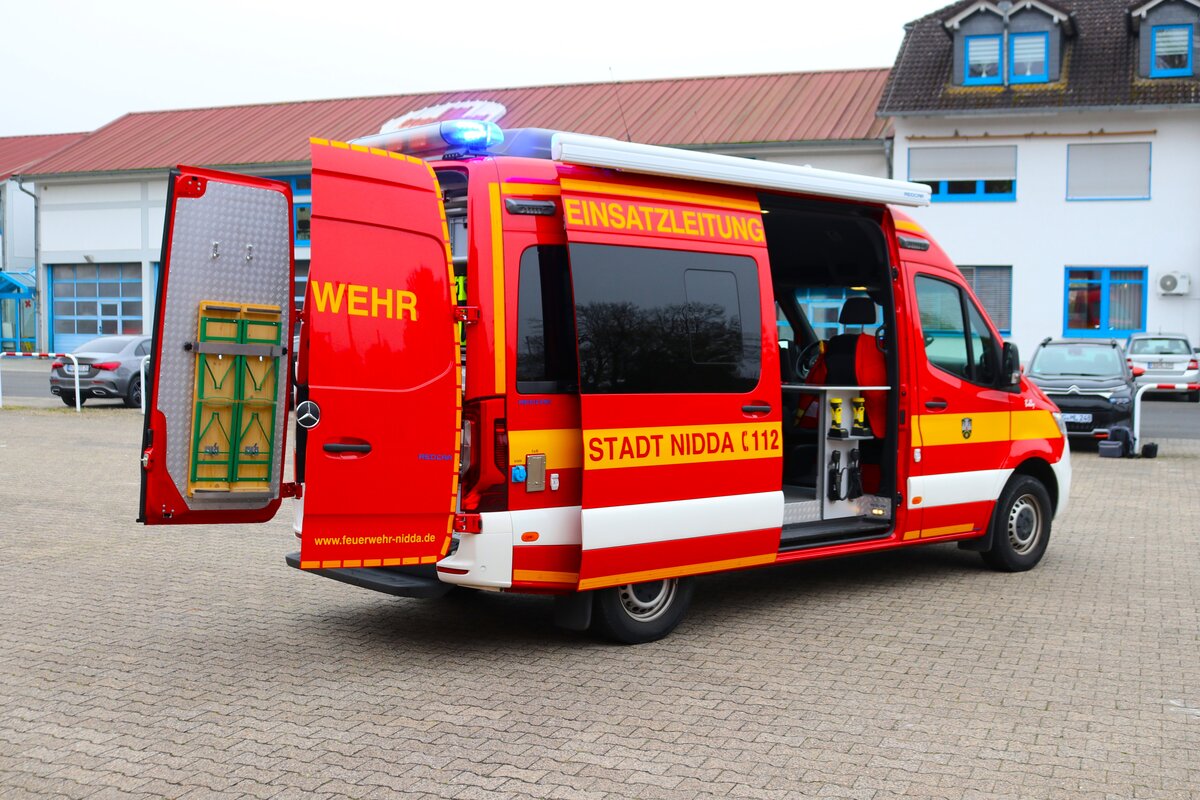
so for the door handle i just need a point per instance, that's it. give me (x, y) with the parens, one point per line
(756, 409)
(936, 405)
(335, 447)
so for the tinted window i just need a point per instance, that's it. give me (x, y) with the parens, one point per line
(665, 320)
(940, 304)
(545, 323)
(984, 349)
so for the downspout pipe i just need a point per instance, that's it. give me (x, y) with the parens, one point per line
(37, 255)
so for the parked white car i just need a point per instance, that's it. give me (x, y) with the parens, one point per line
(1166, 357)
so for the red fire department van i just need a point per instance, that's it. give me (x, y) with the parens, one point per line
(542, 362)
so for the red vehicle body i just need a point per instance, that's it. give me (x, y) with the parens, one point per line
(594, 369)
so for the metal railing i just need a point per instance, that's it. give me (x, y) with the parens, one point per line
(74, 361)
(1136, 444)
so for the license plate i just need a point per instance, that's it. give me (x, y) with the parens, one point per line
(1077, 417)
(1160, 365)
(69, 369)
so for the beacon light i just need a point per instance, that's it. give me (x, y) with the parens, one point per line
(438, 138)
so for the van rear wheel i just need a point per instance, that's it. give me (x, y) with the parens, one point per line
(641, 612)
(1020, 526)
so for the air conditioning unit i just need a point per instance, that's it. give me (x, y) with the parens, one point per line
(1174, 283)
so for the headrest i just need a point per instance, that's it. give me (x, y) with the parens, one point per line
(858, 311)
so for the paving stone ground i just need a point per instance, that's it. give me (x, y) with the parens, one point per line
(191, 662)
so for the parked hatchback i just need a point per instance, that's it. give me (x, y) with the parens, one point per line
(1166, 358)
(108, 367)
(1089, 380)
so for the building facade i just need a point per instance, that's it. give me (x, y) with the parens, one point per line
(1060, 139)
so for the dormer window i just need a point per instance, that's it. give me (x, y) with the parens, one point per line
(1009, 42)
(1029, 57)
(983, 60)
(1171, 51)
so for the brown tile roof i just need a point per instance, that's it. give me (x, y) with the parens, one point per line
(788, 107)
(19, 152)
(1099, 69)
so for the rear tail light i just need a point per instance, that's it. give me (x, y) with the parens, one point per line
(484, 457)
(111, 366)
(1193, 364)
(56, 365)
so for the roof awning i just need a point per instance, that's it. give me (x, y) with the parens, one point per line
(16, 283)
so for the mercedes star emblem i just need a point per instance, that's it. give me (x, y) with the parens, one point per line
(308, 414)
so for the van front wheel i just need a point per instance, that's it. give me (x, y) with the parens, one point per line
(642, 612)
(1020, 526)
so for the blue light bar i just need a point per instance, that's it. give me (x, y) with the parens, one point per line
(428, 141)
(472, 134)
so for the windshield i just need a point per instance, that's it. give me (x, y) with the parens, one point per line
(1159, 347)
(104, 345)
(1079, 361)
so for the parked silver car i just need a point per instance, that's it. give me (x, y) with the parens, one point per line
(1166, 357)
(108, 367)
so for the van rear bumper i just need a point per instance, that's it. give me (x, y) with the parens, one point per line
(416, 581)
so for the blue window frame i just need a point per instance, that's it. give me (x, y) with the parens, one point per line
(972, 191)
(1104, 302)
(1029, 57)
(982, 56)
(1171, 51)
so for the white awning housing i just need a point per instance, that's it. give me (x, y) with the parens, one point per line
(597, 151)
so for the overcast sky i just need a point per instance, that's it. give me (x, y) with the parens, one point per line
(74, 65)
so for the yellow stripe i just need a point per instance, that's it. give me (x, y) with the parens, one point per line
(1034, 425)
(563, 447)
(988, 426)
(339, 145)
(329, 564)
(676, 572)
(315, 140)
(391, 562)
(545, 189)
(500, 342)
(680, 444)
(429, 559)
(411, 560)
(372, 562)
(348, 564)
(538, 576)
(310, 565)
(946, 530)
(908, 535)
(596, 187)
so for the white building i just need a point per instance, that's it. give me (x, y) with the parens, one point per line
(18, 236)
(1061, 140)
(102, 201)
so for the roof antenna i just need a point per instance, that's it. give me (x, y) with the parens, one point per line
(617, 97)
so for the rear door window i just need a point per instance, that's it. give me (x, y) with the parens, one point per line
(546, 362)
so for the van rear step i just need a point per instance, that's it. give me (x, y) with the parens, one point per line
(835, 531)
(418, 581)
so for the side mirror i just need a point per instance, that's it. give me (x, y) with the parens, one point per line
(1138, 372)
(1011, 367)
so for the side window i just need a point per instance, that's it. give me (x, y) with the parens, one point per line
(142, 349)
(665, 321)
(940, 305)
(546, 361)
(985, 351)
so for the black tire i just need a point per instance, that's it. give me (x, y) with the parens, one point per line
(68, 399)
(133, 396)
(1020, 526)
(642, 612)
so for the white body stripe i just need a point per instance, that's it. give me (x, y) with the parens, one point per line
(952, 488)
(1062, 472)
(620, 526)
(553, 525)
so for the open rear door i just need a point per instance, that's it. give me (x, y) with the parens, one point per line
(380, 404)
(214, 437)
